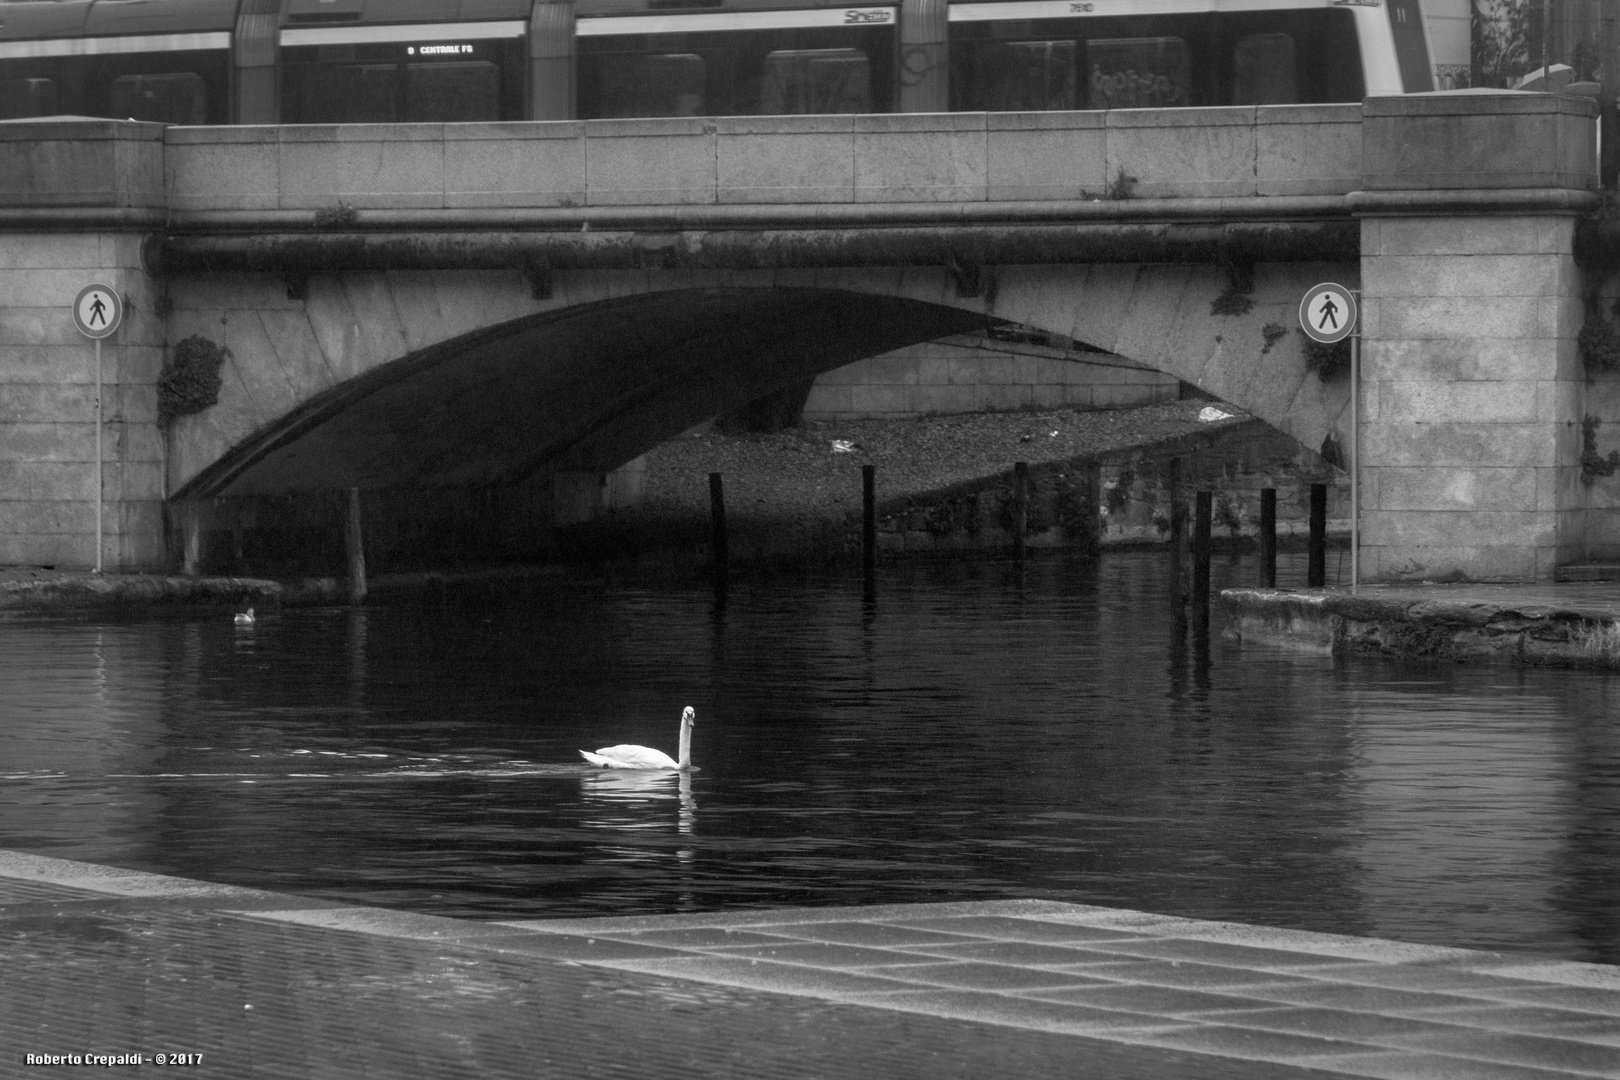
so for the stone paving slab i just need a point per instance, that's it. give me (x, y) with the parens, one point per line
(106, 961)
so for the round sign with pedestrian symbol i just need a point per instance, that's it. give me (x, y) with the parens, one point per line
(1328, 313)
(97, 311)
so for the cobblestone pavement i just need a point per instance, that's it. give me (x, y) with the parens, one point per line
(99, 961)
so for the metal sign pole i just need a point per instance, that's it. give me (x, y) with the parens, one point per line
(98, 455)
(98, 311)
(1355, 452)
(1328, 314)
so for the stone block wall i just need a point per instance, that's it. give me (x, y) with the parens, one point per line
(1477, 142)
(47, 406)
(1471, 385)
(47, 372)
(1136, 501)
(585, 496)
(971, 373)
(1124, 499)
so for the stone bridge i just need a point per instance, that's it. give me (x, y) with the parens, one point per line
(469, 312)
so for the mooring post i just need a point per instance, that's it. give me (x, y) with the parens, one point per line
(1094, 503)
(869, 520)
(190, 515)
(1202, 513)
(717, 517)
(1316, 562)
(1020, 507)
(354, 548)
(1268, 538)
(1178, 535)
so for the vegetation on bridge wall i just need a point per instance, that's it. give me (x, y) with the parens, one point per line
(190, 381)
(1597, 251)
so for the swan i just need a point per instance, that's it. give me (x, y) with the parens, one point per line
(245, 618)
(629, 756)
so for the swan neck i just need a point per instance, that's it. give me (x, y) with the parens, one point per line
(685, 759)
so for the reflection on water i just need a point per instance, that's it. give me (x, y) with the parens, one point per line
(956, 732)
(638, 793)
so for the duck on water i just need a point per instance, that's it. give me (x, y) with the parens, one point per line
(630, 756)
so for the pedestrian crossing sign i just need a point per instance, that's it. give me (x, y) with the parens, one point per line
(97, 311)
(1328, 313)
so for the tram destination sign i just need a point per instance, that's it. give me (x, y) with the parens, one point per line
(1328, 313)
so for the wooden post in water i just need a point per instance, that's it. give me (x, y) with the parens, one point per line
(1178, 537)
(1202, 513)
(1020, 508)
(1316, 559)
(869, 520)
(717, 517)
(354, 548)
(1268, 538)
(190, 521)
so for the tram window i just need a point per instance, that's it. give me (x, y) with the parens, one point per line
(1263, 70)
(177, 97)
(340, 94)
(21, 98)
(1226, 58)
(1137, 73)
(387, 83)
(452, 93)
(1026, 76)
(794, 69)
(659, 84)
(815, 81)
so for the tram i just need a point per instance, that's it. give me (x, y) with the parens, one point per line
(386, 61)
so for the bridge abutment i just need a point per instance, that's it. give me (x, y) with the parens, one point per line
(1472, 303)
(87, 175)
(1471, 390)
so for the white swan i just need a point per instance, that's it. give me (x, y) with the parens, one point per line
(629, 756)
(245, 618)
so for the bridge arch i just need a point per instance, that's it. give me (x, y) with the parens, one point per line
(464, 378)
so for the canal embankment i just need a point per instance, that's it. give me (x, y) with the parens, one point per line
(33, 588)
(1565, 625)
(945, 486)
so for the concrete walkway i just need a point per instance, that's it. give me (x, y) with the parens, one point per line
(113, 962)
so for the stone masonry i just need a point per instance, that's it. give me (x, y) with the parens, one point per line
(356, 273)
(1472, 382)
(973, 373)
(47, 374)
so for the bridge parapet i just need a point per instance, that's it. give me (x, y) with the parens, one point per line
(77, 162)
(946, 157)
(1479, 141)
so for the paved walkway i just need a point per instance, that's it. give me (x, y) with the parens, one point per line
(110, 962)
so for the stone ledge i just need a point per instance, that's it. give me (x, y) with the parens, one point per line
(77, 591)
(1426, 624)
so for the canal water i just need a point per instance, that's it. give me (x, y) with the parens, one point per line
(965, 734)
